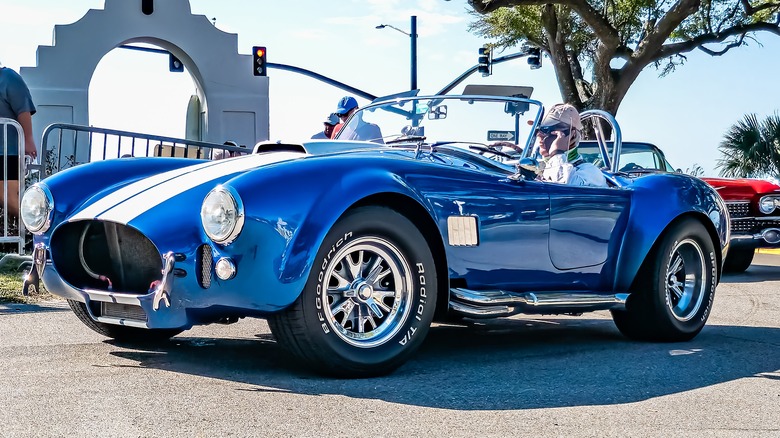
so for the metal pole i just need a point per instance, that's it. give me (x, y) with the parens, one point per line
(413, 36)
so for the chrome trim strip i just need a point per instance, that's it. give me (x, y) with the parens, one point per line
(113, 297)
(122, 321)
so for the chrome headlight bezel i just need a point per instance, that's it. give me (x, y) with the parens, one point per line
(226, 198)
(37, 208)
(768, 204)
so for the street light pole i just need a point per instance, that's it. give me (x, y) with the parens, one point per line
(413, 50)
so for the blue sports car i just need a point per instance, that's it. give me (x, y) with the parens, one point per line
(352, 247)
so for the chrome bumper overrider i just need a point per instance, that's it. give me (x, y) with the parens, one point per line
(769, 235)
(33, 278)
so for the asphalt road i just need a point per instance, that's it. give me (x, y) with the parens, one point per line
(556, 376)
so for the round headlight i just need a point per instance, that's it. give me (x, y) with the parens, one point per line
(767, 204)
(222, 215)
(36, 207)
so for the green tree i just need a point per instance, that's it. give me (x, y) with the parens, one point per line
(751, 148)
(599, 47)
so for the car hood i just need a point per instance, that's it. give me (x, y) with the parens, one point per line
(130, 201)
(731, 189)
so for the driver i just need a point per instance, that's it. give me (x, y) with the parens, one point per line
(557, 138)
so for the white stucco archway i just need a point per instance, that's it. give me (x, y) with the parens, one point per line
(234, 101)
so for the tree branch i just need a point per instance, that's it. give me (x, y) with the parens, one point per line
(606, 33)
(750, 9)
(736, 31)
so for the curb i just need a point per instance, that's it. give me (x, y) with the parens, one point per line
(768, 250)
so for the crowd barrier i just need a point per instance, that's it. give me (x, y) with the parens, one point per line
(13, 233)
(66, 145)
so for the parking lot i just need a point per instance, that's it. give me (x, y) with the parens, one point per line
(515, 377)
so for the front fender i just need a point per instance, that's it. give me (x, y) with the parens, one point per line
(287, 223)
(658, 200)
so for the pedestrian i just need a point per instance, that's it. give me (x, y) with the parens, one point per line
(15, 103)
(329, 124)
(358, 129)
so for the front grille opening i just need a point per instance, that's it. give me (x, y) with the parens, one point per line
(84, 250)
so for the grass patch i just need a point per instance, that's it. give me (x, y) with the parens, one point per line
(11, 290)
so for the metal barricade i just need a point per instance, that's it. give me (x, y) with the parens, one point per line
(66, 145)
(13, 231)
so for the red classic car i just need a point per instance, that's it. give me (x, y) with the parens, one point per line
(754, 204)
(755, 219)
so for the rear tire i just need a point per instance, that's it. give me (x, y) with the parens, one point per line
(672, 296)
(121, 333)
(738, 260)
(369, 300)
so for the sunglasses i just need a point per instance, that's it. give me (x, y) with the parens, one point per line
(547, 130)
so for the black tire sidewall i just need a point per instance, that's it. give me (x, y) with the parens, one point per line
(672, 328)
(397, 229)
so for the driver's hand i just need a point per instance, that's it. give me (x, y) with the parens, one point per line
(560, 144)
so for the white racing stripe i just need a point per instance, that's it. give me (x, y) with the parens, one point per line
(133, 189)
(150, 195)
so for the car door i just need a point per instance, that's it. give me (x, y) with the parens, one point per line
(586, 228)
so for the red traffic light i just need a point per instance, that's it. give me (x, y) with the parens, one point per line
(259, 61)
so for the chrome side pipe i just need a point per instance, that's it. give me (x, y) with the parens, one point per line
(493, 303)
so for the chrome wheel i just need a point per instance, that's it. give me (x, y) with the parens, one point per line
(368, 291)
(685, 285)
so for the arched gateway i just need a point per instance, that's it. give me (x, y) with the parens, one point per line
(234, 101)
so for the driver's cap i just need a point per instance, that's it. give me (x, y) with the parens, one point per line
(563, 113)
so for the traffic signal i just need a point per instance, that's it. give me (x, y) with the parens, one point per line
(260, 64)
(174, 64)
(485, 61)
(535, 57)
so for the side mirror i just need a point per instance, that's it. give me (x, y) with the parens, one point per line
(529, 168)
(437, 112)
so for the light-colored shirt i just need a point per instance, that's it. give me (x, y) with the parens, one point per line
(558, 169)
(361, 130)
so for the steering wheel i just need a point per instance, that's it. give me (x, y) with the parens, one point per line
(484, 149)
(631, 167)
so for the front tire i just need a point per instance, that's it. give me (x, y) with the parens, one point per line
(738, 260)
(672, 295)
(121, 333)
(369, 300)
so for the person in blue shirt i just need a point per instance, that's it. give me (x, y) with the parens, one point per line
(357, 129)
(15, 103)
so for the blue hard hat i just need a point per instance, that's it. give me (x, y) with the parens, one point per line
(345, 104)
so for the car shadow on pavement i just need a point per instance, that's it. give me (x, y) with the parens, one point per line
(498, 365)
(754, 274)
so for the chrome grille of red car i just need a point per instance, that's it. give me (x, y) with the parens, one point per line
(738, 209)
(205, 260)
(742, 225)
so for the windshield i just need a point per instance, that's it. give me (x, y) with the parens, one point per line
(633, 156)
(438, 120)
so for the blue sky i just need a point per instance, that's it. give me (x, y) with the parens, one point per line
(686, 113)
